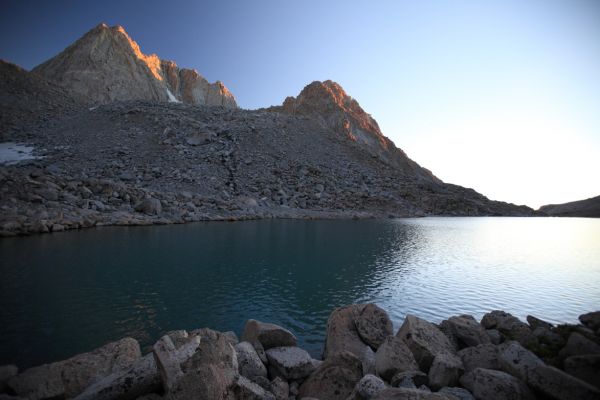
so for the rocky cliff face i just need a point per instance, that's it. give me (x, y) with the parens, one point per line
(107, 65)
(333, 108)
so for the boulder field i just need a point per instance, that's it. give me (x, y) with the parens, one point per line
(498, 358)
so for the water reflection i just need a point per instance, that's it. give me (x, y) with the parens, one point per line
(66, 293)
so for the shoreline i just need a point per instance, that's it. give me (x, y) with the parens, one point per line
(363, 358)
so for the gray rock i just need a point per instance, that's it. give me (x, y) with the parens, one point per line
(486, 384)
(334, 379)
(559, 385)
(577, 345)
(467, 331)
(280, 388)
(394, 356)
(535, 323)
(268, 335)
(70, 377)
(249, 362)
(368, 387)
(591, 320)
(150, 206)
(373, 325)
(199, 138)
(508, 325)
(290, 362)
(7, 372)
(409, 379)
(167, 364)
(407, 394)
(482, 356)
(586, 368)
(517, 361)
(139, 379)
(494, 335)
(546, 336)
(425, 340)
(456, 393)
(368, 361)
(342, 334)
(445, 370)
(248, 390)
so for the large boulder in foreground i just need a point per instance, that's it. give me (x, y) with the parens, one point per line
(586, 368)
(482, 356)
(373, 325)
(578, 345)
(466, 330)
(445, 370)
(250, 364)
(334, 379)
(394, 356)
(290, 362)
(425, 340)
(408, 394)
(559, 385)
(342, 334)
(517, 361)
(268, 335)
(70, 377)
(487, 384)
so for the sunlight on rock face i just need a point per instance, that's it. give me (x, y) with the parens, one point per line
(152, 60)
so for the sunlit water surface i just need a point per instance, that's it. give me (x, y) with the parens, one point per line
(66, 293)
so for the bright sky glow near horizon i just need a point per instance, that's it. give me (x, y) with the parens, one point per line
(501, 96)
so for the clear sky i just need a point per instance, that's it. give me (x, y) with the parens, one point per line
(501, 96)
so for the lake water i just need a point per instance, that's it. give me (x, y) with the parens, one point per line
(66, 293)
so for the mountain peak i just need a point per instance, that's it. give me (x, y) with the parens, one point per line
(106, 64)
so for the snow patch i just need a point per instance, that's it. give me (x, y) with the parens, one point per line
(13, 153)
(172, 99)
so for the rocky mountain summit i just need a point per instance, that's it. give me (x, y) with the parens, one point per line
(106, 65)
(497, 358)
(589, 208)
(133, 162)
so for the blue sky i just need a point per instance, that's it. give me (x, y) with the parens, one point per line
(502, 96)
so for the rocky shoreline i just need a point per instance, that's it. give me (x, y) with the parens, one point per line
(499, 357)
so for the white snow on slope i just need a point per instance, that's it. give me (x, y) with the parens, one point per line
(172, 99)
(12, 153)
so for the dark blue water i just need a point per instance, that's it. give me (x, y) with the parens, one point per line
(66, 293)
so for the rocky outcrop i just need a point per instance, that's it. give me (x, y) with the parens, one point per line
(206, 364)
(589, 208)
(107, 65)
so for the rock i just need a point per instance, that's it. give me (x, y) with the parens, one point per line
(367, 387)
(248, 390)
(559, 385)
(445, 370)
(577, 345)
(586, 368)
(467, 331)
(167, 365)
(407, 394)
(368, 361)
(591, 320)
(416, 378)
(249, 362)
(535, 323)
(517, 361)
(289, 362)
(482, 356)
(394, 356)
(268, 335)
(198, 138)
(373, 325)
(70, 377)
(139, 379)
(508, 325)
(150, 206)
(280, 388)
(486, 384)
(342, 334)
(214, 349)
(6, 372)
(425, 340)
(494, 335)
(546, 336)
(457, 393)
(334, 379)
